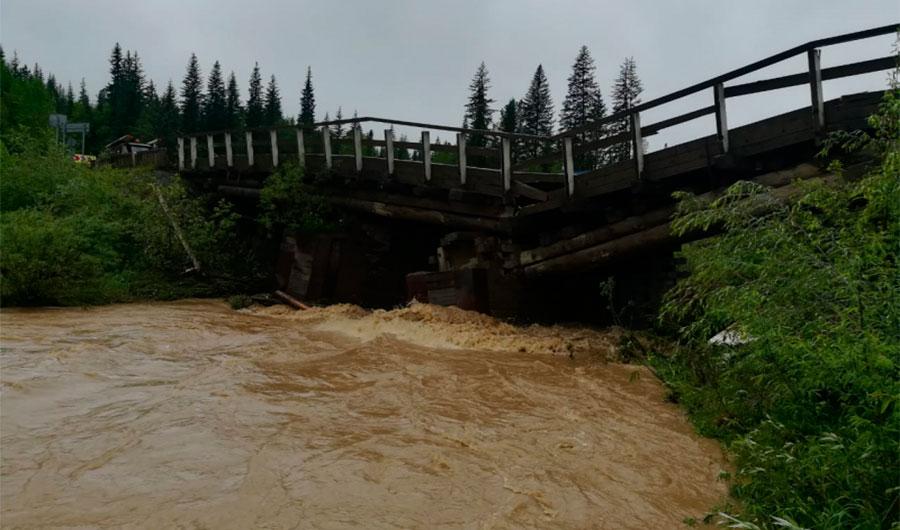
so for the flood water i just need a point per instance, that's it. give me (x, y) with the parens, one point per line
(191, 415)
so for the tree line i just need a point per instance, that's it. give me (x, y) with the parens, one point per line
(132, 104)
(533, 114)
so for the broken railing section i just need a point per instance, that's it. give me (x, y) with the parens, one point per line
(514, 175)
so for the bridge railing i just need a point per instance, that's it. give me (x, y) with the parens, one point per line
(572, 142)
(502, 163)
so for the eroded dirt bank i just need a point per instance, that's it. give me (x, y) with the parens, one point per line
(188, 414)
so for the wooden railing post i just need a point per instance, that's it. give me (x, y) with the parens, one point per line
(721, 120)
(637, 144)
(210, 151)
(389, 150)
(815, 88)
(569, 165)
(426, 154)
(461, 146)
(180, 153)
(273, 139)
(301, 149)
(357, 147)
(326, 144)
(229, 153)
(506, 163)
(249, 137)
(193, 152)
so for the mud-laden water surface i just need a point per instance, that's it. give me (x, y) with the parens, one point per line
(191, 415)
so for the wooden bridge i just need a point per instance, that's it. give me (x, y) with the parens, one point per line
(545, 212)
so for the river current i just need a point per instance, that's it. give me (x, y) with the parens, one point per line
(191, 415)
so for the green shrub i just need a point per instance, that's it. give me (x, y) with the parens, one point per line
(286, 202)
(809, 406)
(74, 235)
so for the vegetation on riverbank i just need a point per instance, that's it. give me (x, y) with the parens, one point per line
(73, 235)
(809, 402)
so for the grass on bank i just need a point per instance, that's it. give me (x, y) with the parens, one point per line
(809, 408)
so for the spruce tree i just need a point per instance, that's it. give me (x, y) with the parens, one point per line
(233, 108)
(273, 115)
(584, 104)
(536, 113)
(82, 108)
(145, 128)
(509, 117)
(478, 110)
(70, 99)
(133, 87)
(215, 113)
(168, 117)
(307, 102)
(626, 94)
(338, 128)
(255, 108)
(192, 97)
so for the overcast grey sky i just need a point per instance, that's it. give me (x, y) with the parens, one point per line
(413, 60)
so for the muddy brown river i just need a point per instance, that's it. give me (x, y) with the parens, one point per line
(191, 415)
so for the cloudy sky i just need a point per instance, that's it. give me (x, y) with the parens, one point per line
(413, 60)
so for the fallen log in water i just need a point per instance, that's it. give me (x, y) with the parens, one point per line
(291, 301)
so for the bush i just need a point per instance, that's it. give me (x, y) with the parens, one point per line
(286, 202)
(73, 235)
(809, 405)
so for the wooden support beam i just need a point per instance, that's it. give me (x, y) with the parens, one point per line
(569, 165)
(229, 153)
(815, 88)
(389, 150)
(249, 137)
(637, 142)
(425, 215)
(273, 140)
(426, 154)
(301, 149)
(210, 151)
(461, 146)
(526, 190)
(357, 147)
(180, 153)
(506, 161)
(326, 143)
(721, 120)
(193, 152)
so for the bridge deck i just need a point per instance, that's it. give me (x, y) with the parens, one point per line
(501, 181)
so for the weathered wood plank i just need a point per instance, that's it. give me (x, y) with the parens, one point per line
(229, 153)
(520, 188)
(835, 72)
(569, 165)
(249, 139)
(815, 88)
(193, 152)
(426, 154)
(273, 141)
(721, 116)
(301, 148)
(461, 156)
(389, 150)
